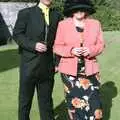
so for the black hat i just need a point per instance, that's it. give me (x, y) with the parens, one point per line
(71, 6)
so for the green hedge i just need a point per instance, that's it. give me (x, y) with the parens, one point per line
(108, 12)
(109, 17)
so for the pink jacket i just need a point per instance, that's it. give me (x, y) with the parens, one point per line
(67, 37)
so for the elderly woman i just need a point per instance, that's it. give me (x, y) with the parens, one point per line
(78, 41)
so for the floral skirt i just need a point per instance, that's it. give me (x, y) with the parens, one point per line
(82, 97)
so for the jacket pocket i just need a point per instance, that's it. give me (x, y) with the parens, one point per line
(28, 56)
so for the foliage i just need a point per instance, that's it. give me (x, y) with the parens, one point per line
(108, 14)
(108, 11)
(109, 17)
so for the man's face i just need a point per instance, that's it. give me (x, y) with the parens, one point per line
(46, 2)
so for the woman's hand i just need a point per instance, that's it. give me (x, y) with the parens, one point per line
(85, 51)
(77, 51)
(80, 51)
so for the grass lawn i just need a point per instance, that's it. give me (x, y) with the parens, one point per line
(110, 79)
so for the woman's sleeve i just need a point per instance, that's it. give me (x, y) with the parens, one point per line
(60, 47)
(98, 47)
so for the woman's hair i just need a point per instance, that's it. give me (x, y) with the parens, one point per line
(71, 14)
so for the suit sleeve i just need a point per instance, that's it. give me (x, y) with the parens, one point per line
(19, 32)
(98, 47)
(60, 47)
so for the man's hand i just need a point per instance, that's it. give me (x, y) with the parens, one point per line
(56, 69)
(40, 47)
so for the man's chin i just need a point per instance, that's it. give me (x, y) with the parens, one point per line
(48, 3)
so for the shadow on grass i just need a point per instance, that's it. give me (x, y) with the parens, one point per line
(8, 59)
(108, 91)
(61, 112)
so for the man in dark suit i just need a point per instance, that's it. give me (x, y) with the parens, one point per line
(34, 32)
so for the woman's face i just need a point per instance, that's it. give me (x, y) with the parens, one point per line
(79, 15)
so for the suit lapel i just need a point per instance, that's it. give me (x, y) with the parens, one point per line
(74, 31)
(52, 17)
(39, 17)
(77, 34)
(86, 32)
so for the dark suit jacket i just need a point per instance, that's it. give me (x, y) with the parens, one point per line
(30, 29)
